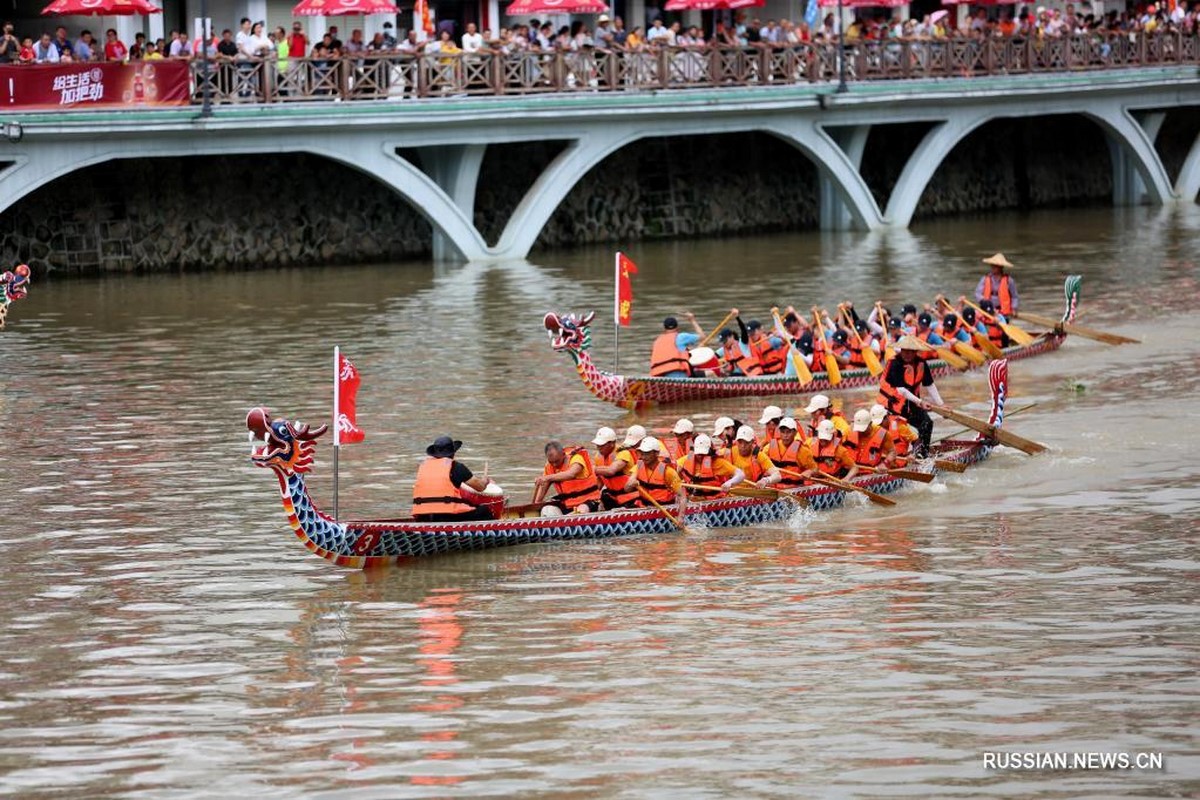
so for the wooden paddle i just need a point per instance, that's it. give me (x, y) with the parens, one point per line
(991, 431)
(708, 336)
(756, 492)
(872, 360)
(949, 356)
(888, 350)
(911, 475)
(949, 466)
(837, 483)
(1077, 330)
(831, 365)
(1017, 334)
(803, 373)
(961, 431)
(981, 339)
(676, 521)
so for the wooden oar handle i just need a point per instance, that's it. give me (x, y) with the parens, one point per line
(708, 336)
(980, 311)
(674, 520)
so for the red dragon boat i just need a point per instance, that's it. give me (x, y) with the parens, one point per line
(571, 334)
(289, 450)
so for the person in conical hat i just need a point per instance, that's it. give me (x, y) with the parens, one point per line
(998, 286)
(901, 385)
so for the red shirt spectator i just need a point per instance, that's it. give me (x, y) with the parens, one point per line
(114, 48)
(297, 42)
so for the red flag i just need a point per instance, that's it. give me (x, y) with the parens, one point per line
(623, 307)
(345, 424)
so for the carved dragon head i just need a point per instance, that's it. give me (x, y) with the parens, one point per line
(570, 332)
(13, 286)
(288, 448)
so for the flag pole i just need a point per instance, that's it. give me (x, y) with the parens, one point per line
(337, 353)
(617, 312)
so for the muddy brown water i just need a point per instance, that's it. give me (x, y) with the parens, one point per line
(164, 634)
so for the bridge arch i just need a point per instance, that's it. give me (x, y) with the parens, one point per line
(36, 170)
(1130, 148)
(581, 155)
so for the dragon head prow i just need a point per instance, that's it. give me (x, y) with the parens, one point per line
(570, 332)
(286, 447)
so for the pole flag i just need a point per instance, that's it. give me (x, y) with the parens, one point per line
(811, 15)
(623, 307)
(345, 394)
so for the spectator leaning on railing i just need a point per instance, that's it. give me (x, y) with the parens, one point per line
(10, 48)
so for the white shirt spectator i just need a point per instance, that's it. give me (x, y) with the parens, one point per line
(180, 48)
(47, 53)
(242, 40)
(260, 46)
(472, 42)
(657, 32)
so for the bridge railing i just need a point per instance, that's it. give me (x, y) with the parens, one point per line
(397, 76)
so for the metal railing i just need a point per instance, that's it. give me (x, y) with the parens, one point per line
(394, 76)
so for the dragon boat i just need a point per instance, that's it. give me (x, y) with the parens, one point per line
(571, 333)
(289, 449)
(14, 285)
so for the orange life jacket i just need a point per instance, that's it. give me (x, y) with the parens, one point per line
(699, 469)
(893, 423)
(573, 491)
(748, 464)
(615, 484)
(434, 492)
(924, 337)
(677, 450)
(857, 359)
(888, 396)
(999, 292)
(655, 483)
(666, 356)
(995, 332)
(773, 360)
(825, 454)
(867, 450)
(747, 364)
(789, 459)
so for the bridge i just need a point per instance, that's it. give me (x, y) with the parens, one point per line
(430, 151)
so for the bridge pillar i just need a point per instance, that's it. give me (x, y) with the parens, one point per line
(835, 214)
(1138, 172)
(1128, 187)
(455, 168)
(1187, 186)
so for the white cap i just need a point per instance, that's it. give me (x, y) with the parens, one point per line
(862, 420)
(745, 434)
(604, 436)
(825, 430)
(683, 426)
(818, 402)
(770, 413)
(721, 424)
(878, 413)
(702, 446)
(635, 434)
(788, 422)
(649, 444)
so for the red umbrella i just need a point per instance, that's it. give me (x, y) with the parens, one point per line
(866, 3)
(526, 7)
(710, 5)
(333, 8)
(104, 8)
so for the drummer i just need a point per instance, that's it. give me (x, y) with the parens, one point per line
(436, 496)
(669, 356)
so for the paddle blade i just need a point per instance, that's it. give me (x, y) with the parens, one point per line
(912, 475)
(873, 365)
(832, 370)
(947, 355)
(1017, 334)
(987, 345)
(969, 353)
(949, 466)
(803, 373)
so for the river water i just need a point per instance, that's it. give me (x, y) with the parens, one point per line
(164, 635)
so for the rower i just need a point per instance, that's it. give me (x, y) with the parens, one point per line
(570, 472)
(871, 444)
(771, 351)
(724, 429)
(656, 477)
(928, 335)
(736, 351)
(436, 496)
(681, 444)
(901, 432)
(789, 453)
(752, 460)
(704, 468)
(819, 408)
(998, 286)
(635, 435)
(669, 356)
(832, 457)
(770, 418)
(900, 389)
(839, 345)
(993, 323)
(613, 467)
(953, 329)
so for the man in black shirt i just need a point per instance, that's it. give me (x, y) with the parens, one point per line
(900, 389)
(10, 48)
(435, 493)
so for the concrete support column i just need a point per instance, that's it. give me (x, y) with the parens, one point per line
(127, 27)
(455, 168)
(1151, 123)
(835, 214)
(1187, 186)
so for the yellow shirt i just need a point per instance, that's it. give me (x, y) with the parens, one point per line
(746, 463)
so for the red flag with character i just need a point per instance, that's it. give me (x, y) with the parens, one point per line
(345, 423)
(623, 309)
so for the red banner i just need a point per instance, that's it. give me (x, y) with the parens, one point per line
(623, 306)
(108, 84)
(346, 430)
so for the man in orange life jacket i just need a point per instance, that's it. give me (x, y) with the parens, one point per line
(571, 473)
(613, 467)
(790, 456)
(993, 323)
(771, 350)
(669, 356)
(656, 478)
(435, 493)
(901, 432)
(900, 389)
(871, 444)
(724, 429)
(832, 457)
(770, 420)
(752, 460)
(738, 356)
(998, 287)
(821, 407)
(703, 468)
(684, 432)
